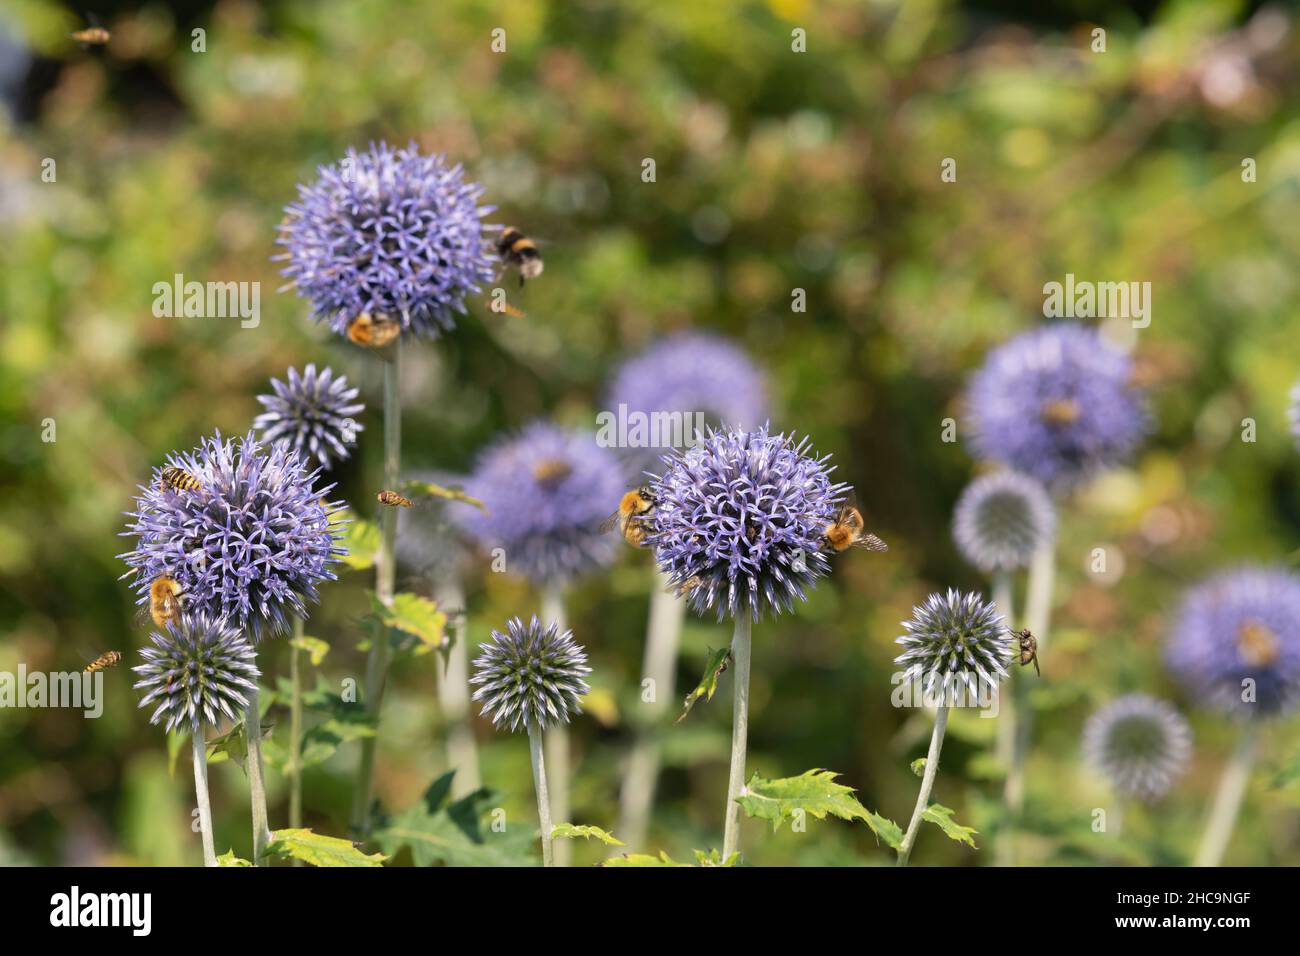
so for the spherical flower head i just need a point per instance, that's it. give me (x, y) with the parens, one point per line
(197, 671)
(547, 491)
(952, 639)
(1057, 403)
(388, 233)
(530, 677)
(250, 543)
(1141, 744)
(1001, 519)
(1235, 642)
(314, 413)
(739, 521)
(688, 375)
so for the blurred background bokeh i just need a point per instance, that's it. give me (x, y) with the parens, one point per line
(775, 171)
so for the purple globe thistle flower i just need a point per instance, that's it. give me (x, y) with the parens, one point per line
(953, 639)
(313, 413)
(739, 521)
(1141, 744)
(388, 233)
(1056, 403)
(531, 676)
(248, 542)
(703, 380)
(546, 491)
(1236, 642)
(197, 670)
(1001, 519)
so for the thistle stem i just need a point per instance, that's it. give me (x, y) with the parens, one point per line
(640, 776)
(256, 779)
(453, 693)
(536, 751)
(740, 653)
(1006, 743)
(201, 794)
(295, 728)
(927, 783)
(385, 574)
(1227, 801)
(557, 737)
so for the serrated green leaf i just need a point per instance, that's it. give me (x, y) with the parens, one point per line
(314, 646)
(885, 829)
(708, 685)
(714, 858)
(918, 766)
(570, 831)
(458, 833)
(428, 489)
(319, 850)
(360, 539)
(814, 792)
(942, 818)
(233, 745)
(642, 859)
(414, 615)
(229, 859)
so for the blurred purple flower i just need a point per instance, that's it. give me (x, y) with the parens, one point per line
(250, 544)
(739, 521)
(1056, 403)
(687, 374)
(313, 413)
(1141, 744)
(547, 490)
(1235, 643)
(531, 676)
(955, 638)
(1001, 519)
(389, 233)
(197, 671)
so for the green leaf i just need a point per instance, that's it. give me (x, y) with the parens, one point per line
(714, 858)
(360, 539)
(459, 833)
(918, 766)
(314, 646)
(414, 615)
(942, 818)
(229, 859)
(570, 831)
(814, 792)
(642, 859)
(319, 850)
(713, 668)
(885, 829)
(320, 742)
(427, 489)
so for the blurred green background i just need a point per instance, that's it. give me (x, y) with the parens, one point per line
(776, 170)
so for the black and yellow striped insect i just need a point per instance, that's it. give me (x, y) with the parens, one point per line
(517, 250)
(178, 479)
(103, 662)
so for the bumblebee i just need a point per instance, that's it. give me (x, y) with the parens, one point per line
(846, 532)
(636, 504)
(393, 499)
(373, 331)
(177, 479)
(103, 662)
(1027, 649)
(164, 600)
(517, 250)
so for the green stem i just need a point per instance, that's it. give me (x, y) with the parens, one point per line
(453, 694)
(1227, 801)
(640, 776)
(536, 752)
(557, 736)
(294, 767)
(927, 783)
(740, 652)
(200, 750)
(256, 776)
(385, 574)
(1006, 742)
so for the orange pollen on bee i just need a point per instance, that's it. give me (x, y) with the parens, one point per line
(1063, 411)
(1257, 644)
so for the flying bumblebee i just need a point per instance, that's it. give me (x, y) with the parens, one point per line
(393, 499)
(177, 479)
(847, 531)
(103, 662)
(517, 250)
(373, 331)
(637, 503)
(1027, 649)
(164, 600)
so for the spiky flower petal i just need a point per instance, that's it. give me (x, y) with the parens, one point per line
(1235, 642)
(1001, 519)
(249, 544)
(1141, 744)
(546, 491)
(740, 519)
(314, 413)
(197, 671)
(955, 639)
(388, 233)
(530, 677)
(1056, 403)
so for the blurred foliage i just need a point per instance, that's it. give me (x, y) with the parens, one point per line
(776, 171)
